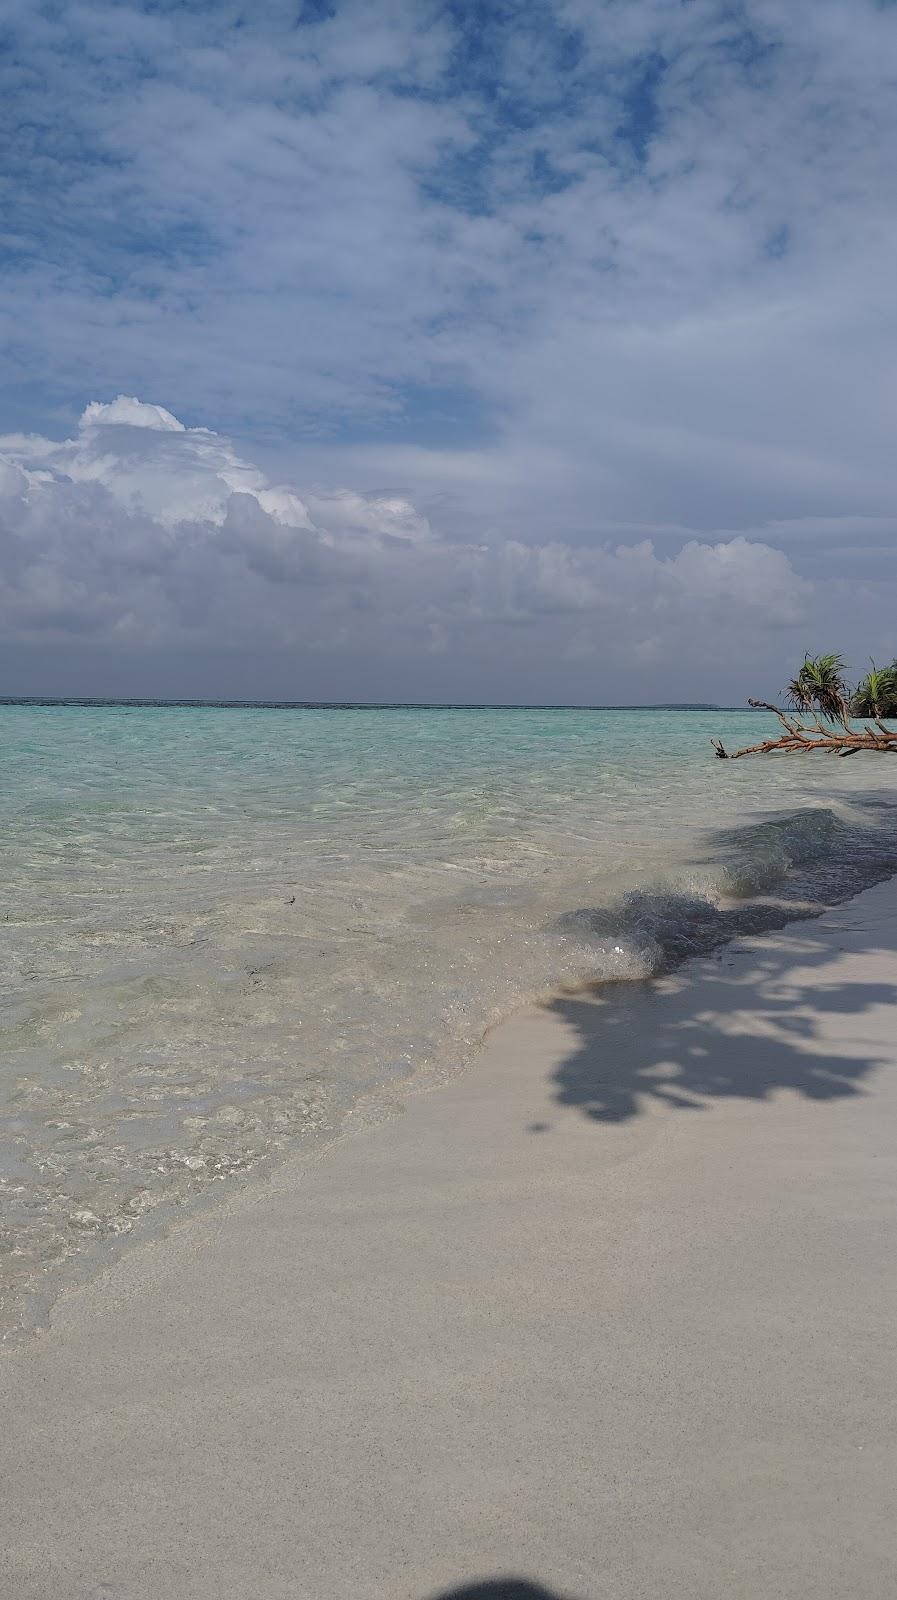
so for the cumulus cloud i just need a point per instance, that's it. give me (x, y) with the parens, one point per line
(152, 464)
(643, 250)
(139, 531)
(583, 306)
(129, 410)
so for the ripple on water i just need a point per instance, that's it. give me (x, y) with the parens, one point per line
(224, 927)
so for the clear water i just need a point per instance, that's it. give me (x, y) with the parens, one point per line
(222, 928)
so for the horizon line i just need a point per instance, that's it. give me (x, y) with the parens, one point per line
(185, 702)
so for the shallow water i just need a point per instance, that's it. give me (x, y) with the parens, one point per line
(223, 926)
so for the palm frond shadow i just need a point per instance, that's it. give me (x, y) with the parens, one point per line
(744, 1023)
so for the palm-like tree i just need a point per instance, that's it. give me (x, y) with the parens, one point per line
(820, 686)
(876, 696)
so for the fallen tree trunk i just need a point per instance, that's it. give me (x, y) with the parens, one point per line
(838, 739)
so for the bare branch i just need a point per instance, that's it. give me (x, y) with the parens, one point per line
(840, 740)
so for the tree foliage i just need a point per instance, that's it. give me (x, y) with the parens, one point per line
(819, 692)
(876, 694)
(820, 685)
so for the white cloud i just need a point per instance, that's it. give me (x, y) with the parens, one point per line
(134, 413)
(152, 464)
(532, 288)
(270, 224)
(163, 537)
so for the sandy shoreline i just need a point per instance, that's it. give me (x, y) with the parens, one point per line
(612, 1311)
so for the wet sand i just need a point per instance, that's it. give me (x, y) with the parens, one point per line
(613, 1312)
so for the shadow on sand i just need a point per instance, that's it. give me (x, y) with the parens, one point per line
(501, 1589)
(745, 1022)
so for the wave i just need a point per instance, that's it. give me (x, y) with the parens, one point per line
(759, 877)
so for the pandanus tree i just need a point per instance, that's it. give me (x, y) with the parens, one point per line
(876, 695)
(819, 691)
(820, 686)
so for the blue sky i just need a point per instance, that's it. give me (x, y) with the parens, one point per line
(599, 291)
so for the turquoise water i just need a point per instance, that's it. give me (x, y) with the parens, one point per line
(225, 928)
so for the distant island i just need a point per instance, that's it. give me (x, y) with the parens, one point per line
(344, 705)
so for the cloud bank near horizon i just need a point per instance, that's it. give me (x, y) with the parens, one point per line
(141, 533)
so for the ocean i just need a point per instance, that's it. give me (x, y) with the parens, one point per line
(227, 929)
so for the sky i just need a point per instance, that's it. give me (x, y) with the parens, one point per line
(528, 351)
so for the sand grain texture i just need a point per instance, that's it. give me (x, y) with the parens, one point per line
(613, 1311)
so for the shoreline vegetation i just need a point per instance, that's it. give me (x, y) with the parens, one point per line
(820, 691)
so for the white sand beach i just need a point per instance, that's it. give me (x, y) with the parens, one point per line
(612, 1313)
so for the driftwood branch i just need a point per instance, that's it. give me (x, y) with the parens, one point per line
(840, 739)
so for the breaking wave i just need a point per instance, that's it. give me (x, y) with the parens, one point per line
(763, 876)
